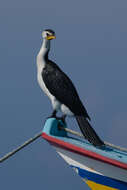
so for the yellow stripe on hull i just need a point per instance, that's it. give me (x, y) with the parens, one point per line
(96, 186)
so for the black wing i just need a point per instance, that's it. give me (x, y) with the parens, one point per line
(60, 86)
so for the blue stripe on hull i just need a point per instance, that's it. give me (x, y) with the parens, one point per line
(100, 179)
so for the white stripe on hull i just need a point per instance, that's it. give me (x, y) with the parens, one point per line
(92, 165)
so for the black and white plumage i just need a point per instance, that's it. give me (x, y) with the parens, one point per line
(61, 91)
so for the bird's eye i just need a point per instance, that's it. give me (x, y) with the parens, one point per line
(47, 34)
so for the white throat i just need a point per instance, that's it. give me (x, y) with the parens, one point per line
(43, 53)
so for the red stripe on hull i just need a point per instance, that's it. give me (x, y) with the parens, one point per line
(81, 151)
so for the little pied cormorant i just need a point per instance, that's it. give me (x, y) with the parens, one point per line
(61, 91)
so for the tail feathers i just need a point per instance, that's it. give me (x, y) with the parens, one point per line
(88, 132)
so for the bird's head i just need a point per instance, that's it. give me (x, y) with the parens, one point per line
(48, 34)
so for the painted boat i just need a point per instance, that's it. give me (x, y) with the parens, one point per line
(101, 168)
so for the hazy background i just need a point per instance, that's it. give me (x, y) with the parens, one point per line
(91, 47)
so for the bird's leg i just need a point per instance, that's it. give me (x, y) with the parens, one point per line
(53, 114)
(63, 119)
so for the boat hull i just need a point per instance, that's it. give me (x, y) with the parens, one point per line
(95, 173)
(101, 169)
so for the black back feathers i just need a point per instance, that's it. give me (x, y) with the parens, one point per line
(60, 86)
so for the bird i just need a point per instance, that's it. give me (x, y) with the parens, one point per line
(61, 91)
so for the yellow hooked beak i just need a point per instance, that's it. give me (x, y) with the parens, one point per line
(50, 37)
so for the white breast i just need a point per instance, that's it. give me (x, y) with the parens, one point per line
(41, 82)
(55, 103)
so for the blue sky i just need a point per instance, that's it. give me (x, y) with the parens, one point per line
(91, 47)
